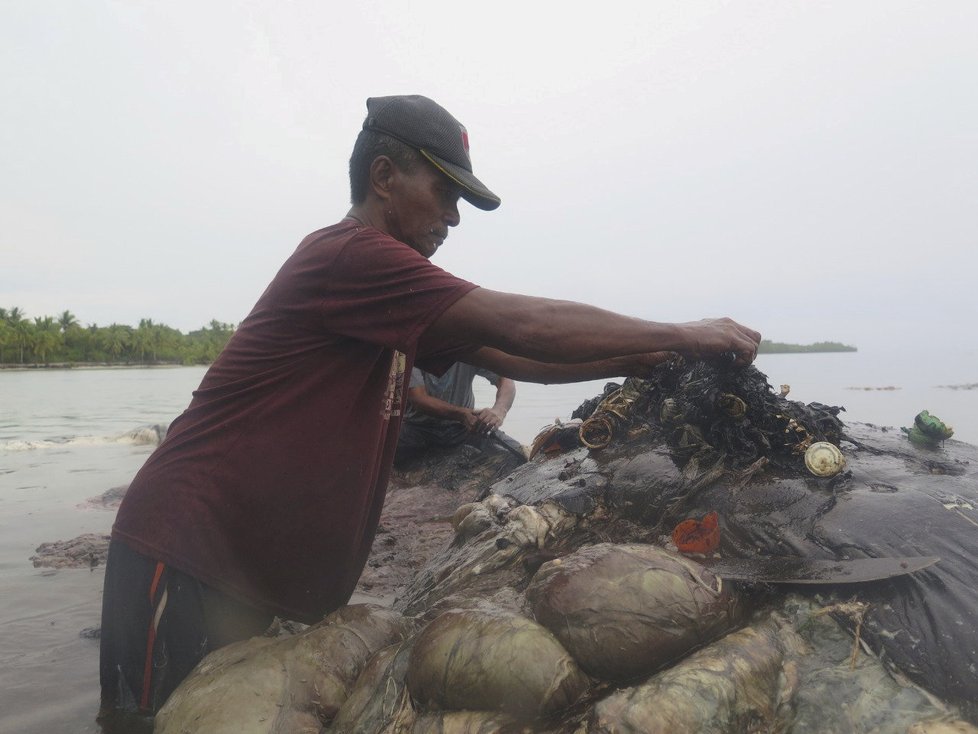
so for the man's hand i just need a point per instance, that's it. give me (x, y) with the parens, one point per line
(469, 419)
(487, 420)
(714, 337)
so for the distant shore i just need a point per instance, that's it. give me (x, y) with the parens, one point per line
(769, 347)
(90, 366)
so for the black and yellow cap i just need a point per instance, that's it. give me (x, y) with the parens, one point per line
(440, 138)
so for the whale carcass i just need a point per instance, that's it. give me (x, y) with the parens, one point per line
(561, 605)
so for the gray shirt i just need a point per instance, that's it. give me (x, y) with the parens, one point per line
(454, 387)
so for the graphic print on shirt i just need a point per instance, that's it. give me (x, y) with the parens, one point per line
(394, 394)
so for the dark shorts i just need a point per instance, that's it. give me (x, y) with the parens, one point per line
(157, 624)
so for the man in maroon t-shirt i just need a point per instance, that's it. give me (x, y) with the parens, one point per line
(265, 495)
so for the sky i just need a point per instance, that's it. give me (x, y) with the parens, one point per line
(807, 168)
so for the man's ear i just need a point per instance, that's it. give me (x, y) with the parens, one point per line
(382, 176)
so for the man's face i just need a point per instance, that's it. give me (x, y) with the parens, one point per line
(422, 206)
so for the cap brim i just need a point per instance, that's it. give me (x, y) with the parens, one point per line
(473, 190)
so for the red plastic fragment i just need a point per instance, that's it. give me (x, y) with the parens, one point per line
(698, 536)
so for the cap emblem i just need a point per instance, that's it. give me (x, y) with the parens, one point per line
(465, 140)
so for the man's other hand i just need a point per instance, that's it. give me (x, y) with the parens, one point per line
(487, 420)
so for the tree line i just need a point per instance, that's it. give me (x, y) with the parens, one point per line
(62, 340)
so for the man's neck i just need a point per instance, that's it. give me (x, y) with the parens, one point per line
(367, 216)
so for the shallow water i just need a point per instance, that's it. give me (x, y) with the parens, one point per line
(49, 673)
(68, 436)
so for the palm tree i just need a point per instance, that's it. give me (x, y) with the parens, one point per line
(6, 333)
(18, 330)
(47, 338)
(150, 337)
(91, 342)
(170, 343)
(23, 335)
(142, 338)
(8, 336)
(66, 321)
(117, 339)
(71, 333)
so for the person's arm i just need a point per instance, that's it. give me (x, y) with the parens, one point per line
(529, 370)
(562, 332)
(489, 419)
(420, 400)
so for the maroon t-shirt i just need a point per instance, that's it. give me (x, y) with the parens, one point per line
(269, 485)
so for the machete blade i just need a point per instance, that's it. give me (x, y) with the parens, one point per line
(786, 570)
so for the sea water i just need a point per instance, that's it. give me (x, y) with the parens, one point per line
(69, 435)
(65, 436)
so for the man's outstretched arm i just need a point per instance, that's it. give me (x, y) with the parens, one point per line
(562, 332)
